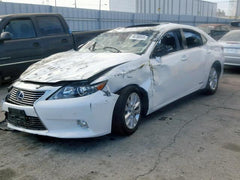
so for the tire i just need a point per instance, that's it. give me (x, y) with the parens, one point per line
(127, 112)
(213, 80)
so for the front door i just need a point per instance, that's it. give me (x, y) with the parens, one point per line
(23, 49)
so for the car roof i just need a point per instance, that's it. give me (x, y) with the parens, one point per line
(27, 15)
(162, 28)
(205, 25)
(146, 25)
(159, 27)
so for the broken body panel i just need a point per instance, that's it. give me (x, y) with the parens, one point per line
(163, 79)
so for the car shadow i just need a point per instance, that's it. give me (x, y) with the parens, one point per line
(174, 105)
(231, 70)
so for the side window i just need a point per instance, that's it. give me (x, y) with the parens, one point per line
(193, 39)
(49, 26)
(20, 29)
(168, 44)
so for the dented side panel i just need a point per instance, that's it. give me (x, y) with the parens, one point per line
(132, 73)
(164, 79)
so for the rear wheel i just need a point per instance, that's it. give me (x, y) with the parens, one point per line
(213, 79)
(127, 112)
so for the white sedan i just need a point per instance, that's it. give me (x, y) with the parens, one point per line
(231, 45)
(113, 80)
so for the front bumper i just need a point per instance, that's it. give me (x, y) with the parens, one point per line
(61, 117)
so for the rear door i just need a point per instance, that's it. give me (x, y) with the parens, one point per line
(196, 57)
(22, 50)
(54, 35)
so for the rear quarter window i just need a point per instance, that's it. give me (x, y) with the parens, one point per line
(49, 26)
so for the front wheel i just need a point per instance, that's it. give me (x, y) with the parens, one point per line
(213, 80)
(127, 112)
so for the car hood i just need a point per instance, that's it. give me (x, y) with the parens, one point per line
(73, 65)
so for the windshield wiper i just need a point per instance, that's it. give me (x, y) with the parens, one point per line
(109, 47)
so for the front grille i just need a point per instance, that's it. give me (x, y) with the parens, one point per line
(28, 99)
(31, 123)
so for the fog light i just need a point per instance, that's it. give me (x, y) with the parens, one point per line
(82, 123)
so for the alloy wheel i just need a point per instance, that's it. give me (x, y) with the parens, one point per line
(132, 110)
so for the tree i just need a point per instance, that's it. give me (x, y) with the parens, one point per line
(221, 13)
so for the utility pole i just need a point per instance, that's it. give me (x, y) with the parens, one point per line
(100, 5)
(55, 3)
(164, 10)
(75, 3)
(238, 10)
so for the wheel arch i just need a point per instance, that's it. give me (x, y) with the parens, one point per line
(218, 66)
(144, 96)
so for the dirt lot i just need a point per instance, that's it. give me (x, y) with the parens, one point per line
(197, 137)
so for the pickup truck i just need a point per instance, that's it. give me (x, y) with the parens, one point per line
(27, 38)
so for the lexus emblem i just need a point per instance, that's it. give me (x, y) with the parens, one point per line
(20, 95)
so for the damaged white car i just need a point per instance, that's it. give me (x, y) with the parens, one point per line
(113, 80)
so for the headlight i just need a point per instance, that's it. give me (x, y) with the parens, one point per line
(77, 90)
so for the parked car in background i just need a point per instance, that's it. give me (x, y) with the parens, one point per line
(113, 80)
(235, 25)
(28, 38)
(231, 44)
(216, 31)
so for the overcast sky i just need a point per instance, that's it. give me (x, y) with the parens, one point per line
(94, 4)
(91, 4)
(222, 4)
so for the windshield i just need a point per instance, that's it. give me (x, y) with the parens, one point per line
(231, 36)
(120, 42)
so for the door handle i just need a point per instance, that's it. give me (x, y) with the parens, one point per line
(184, 58)
(64, 41)
(36, 44)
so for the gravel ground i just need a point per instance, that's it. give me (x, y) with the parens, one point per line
(197, 137)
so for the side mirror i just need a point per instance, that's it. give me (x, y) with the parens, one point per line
(5, 36)
(159, 51)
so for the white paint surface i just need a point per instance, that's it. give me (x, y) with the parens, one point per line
(164, 79)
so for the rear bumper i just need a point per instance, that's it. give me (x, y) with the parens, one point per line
(232, 60)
